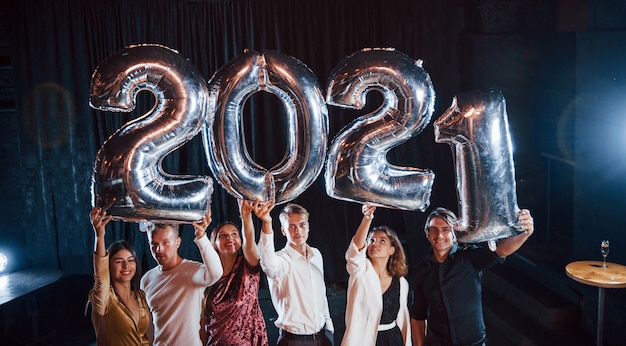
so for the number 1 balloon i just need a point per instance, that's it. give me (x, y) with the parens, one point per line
(307, 123)
(357, 168)
(476, 127)
(128, 179)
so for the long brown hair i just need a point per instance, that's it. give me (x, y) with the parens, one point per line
(117, 247)
(396, 265)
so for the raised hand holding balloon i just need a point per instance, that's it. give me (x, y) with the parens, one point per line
(357, 168)
(128, 180)
(476, 127)
(307, 124)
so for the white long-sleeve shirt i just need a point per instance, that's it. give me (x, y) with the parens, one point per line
(175, 296)
(297, 287)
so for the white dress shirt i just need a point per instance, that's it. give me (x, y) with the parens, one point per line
(296, 286)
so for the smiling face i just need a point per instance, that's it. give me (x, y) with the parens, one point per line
(440, 235)
(379, 246)
(228, 240)
(122, 266)
(296, 228)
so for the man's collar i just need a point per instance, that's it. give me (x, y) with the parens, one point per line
(292, 251)
(453, 249)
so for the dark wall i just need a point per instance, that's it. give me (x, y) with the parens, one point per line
(600, 186)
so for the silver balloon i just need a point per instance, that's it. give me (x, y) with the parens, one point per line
(357, 168)
(307, 125)
(476, 127)
(128, 179)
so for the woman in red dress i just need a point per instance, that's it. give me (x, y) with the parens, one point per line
(232, 314)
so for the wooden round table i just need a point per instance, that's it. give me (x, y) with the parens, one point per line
(592, 273)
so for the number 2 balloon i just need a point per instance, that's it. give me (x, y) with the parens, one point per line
(357, 168)
(128, 180)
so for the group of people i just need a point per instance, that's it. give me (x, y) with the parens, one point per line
(185, 302)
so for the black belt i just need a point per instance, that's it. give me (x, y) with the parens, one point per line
(302, 337)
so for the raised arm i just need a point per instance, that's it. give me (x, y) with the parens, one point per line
(201, 225)
(99, 219)
(360, 236)
(211, 259)
(356, 257)
(248, 242)
(99, 296)
(509, 245)
(272, 265)
(262, 211)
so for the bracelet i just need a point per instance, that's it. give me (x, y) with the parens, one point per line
(369, 217)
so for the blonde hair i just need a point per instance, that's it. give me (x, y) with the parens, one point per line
(172, 226)
(292, 208)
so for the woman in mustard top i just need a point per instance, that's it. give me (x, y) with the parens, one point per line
(120, 314)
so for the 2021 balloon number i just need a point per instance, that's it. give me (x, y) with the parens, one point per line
(129, 181)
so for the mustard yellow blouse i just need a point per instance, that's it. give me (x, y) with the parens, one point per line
(112, 321)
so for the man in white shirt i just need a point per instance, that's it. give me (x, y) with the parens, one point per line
(295, 278)
(175, 288)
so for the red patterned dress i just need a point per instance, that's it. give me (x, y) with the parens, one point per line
(233, 312)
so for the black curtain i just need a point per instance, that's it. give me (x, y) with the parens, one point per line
(56, 44)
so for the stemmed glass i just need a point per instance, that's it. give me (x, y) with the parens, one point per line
(604, 247)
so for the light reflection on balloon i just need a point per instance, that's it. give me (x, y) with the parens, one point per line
(128, 179)
(357, 168)
(476, 128)
(307, 126)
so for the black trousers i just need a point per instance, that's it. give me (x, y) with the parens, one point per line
(325, 338)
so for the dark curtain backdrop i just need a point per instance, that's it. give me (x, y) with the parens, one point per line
(57, 44)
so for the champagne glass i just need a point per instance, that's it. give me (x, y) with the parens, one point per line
(604, 247)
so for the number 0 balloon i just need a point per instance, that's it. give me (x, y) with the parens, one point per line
(477, 129)
(307, 123)
(128, 179)
(357, 168)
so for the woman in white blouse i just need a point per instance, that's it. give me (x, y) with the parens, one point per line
(377, 309)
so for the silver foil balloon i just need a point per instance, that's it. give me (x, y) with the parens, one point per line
(128, 179)
(307, 123)
(476, 128)
(357, 168)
